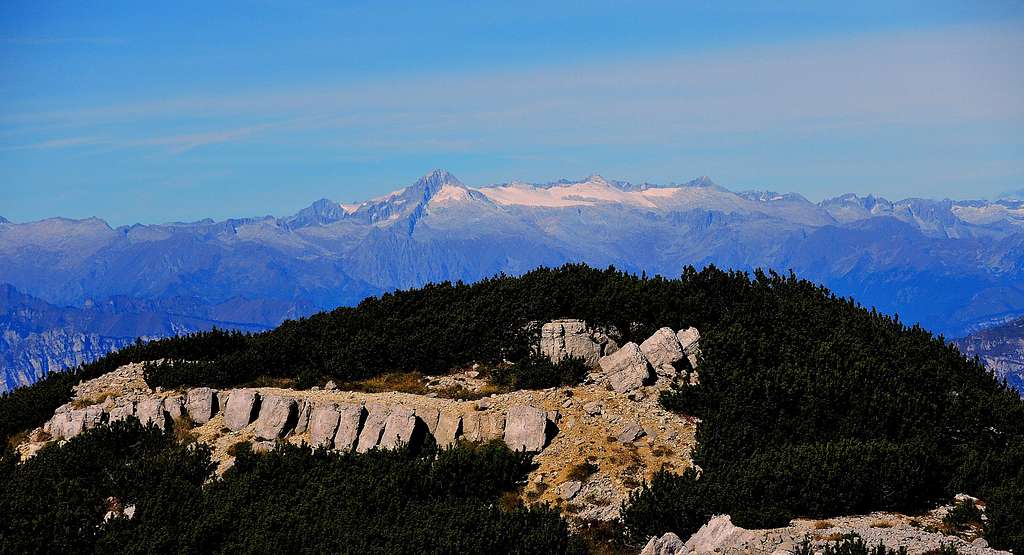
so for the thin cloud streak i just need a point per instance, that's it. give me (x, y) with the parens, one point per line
(892, 79)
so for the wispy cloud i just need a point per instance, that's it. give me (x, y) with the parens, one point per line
(947, 77)
(61, 41)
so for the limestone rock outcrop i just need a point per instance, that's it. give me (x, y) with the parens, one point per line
(662, 351)
(241, 408)
(560, 339)
(350, 419)
(174, 406)
(449, 428)
(525, 428)
(201, 404)
(689, 339)
(373, 428)
(399, 428)
(626, 369)
(717, 534)
(668, 544)
(276, 416)
(323, 423)
(151, 411)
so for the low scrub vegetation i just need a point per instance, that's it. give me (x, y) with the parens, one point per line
(291, 499)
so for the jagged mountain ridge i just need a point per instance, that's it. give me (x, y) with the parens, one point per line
(1001, 349)
(952, 265)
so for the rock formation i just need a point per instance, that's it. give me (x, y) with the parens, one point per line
(240, 409)
(201, 404)
(662, 351)
(276, 415)
(689, 339)
(323, 423)
(525, 428)
(669, 544)
(626, 369)
(560, 339)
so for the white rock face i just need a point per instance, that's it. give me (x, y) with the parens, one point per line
(471, 427)
(174, 406)
(492, 426)
(240, 409)
(569, 338)
(525, 428)
(302, 416)
(276, 415)
(122, 411)
(201, 404)
(398, 428)
(151, 411)
(323, 423)
(69, 423)
(449, 428)
(718, 534)
(669, 544)
(689, 339)
(350, 419)
(662, 351)
(373, 428)
(626, 369)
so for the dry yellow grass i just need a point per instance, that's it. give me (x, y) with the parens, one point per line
(402, 382)
(881, 524)
(822, 525)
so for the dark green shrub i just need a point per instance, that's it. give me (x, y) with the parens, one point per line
(294, 499)
(852, 544)
(963, 515)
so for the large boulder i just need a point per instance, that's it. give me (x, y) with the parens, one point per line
(242, 407)
(277, 415)
(373, 427)
(399, 428)
(201, 404)
(323, 423)
(669, 544)
(349, 423)
(151, 411)
(449, 429)
(626, 369)
(689, 340)
(525, 428)
(569, 338)
(662, 351)
(174, 406)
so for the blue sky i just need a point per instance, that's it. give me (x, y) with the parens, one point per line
(143, 112)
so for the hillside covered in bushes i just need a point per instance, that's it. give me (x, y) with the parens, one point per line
(810, 405)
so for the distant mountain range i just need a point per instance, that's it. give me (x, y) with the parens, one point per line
(1001, 348)
(37, 337)
(953, 266)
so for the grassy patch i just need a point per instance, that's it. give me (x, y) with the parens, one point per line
(402, 382)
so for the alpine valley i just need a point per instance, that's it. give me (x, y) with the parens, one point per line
(79, 288)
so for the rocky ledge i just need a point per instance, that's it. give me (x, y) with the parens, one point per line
(593, 443)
